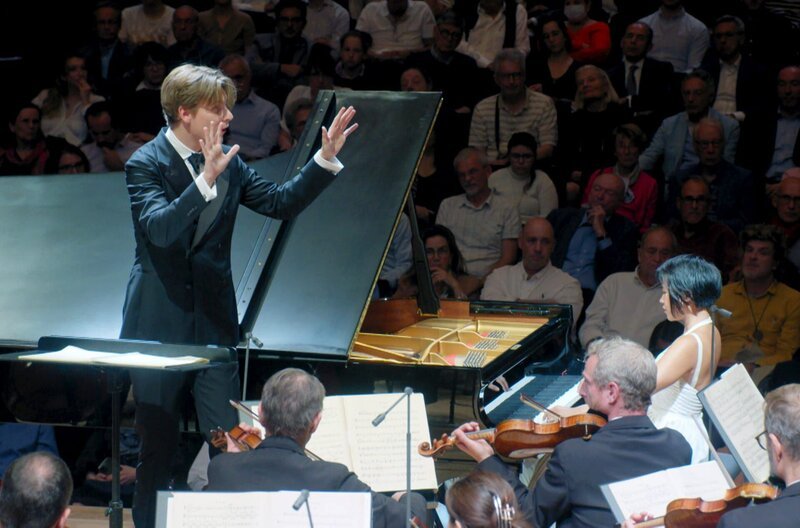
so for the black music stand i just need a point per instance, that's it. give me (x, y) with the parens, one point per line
(214, 355)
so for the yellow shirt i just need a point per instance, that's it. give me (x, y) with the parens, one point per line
(779, 325)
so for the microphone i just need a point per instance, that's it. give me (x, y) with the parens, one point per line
(301, 499)
(721, 311)
(408, 391)
(256, 341)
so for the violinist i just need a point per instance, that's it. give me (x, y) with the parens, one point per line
(618, 378)
(290, 411)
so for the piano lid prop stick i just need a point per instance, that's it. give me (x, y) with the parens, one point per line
(527, 400)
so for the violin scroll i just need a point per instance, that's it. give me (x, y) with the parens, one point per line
(439, 446)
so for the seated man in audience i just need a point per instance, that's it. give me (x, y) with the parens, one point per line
(327, 22)
(593, 241)
(786, 201)
(150, 21)
(627, 303)
(256, 121)
(678, 37)
(110, 148)
(296, 118)
(699, 235)
(291, 411)
(534, 279)
(398, 27)
(781, 439)
(515, 109)
(731, 187)
(352, 70)
(189, 47)
(108, 60)
(485, 226)
(497, 25)
(36, 492)
(672, 148)
(765, 326)
(618, 378)
(227, 27)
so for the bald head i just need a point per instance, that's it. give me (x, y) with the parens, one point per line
(36, 491)
(607, 191)
(536, 241)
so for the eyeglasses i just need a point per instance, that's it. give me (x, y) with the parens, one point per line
(512, 76)
(520, 156)
(786, 199)
(700, 200)
(761, 440)
(290, 20)
(446, 33)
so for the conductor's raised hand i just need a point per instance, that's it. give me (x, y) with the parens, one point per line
(333, 138)
(215, 158)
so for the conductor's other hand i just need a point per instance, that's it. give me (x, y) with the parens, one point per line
(333, 138)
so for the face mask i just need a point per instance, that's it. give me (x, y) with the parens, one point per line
(575, 13)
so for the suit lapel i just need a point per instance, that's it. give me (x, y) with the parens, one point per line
(211, 212)
(176, 173)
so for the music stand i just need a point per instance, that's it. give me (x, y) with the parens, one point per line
(214, 355)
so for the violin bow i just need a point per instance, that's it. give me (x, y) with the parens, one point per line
(527, 400)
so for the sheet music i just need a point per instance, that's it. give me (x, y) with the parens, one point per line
(137, 359)
(652, 493)
(737, 409)
(328, 510)
(330, 441)
(68, 354)
(211, 510)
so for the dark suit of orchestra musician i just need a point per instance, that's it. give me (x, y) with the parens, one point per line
(629, 446)
(180, 288)
(782, 441)
(291, 406)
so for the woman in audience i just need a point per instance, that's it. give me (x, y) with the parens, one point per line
(26, 151)
(589, 143)
(552, 71)
(483, 500)
(641, 189)
(69, 159)
(64, 104)
(445, 263)
(520, 182)
(690, 285)
(591, 40)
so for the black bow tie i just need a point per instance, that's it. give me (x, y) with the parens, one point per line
(196, 160)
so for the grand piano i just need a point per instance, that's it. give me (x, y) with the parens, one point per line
(304, 287)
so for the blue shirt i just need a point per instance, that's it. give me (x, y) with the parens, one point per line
(20, 439)
(254, 127)
(579, 261)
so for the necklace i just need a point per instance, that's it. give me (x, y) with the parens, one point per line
(758, 335)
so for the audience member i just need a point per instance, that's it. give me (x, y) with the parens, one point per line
(593, 241)
(63, 105)
(327, 22)
(641, 189)
(765, 326)
(672, 147)
(697, 234)
(228, 28)
(27, 151)
(415, 80)
(515, 109)
(732, 189)
(781, 440)
(626, 303)
(483, 500)
(678, 37)
(591, 40)
(110, 148)
(552, 70)
(67, 159)
(741, 82)
(521, 182)
(256, 121)
(398, 261)
(290, 411)
(352, 70)
(618, 378)
(36, 492)
(492, 26)
(108, 60)
(435, 181)
(296, 116)
(18, 439)
(397, 27)
(189, 47)
(150, 21)
(589, 142)
(281, 57)
(485, 226)
(647, 83)
(786, 201)
(142, 108)
(534, 278)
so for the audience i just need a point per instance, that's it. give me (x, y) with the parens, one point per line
(327, 21)
(36, 492)
(591, 40)
(26, 152)
(189, 47)
(67, 159)
(142, 109)
(108, 60)
(448, 274)
(150, 21)
(352, 70)
(786, 201)
(552, 70)
(397, 27)
(492, 26)
(109, 148)
(226, 27)
(678, 37)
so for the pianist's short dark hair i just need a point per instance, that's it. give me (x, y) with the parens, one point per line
(689, 278)
(290, 400)
(37, 488)
(629, 365)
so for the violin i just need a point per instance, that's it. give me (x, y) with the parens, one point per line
(513, 438)
(244, 441)
(698, 513)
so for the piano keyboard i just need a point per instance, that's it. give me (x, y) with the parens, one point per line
(547, 389)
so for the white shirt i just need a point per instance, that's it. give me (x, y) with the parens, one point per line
(389, 34)
(329, 21)
(725, 101)
(537, 200)
(486, 38)
(137, 28)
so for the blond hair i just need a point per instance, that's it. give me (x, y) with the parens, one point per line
(192, 86)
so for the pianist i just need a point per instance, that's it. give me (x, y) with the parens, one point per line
(185, 189)
(618, 378)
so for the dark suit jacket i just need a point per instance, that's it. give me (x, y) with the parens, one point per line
(120, 68)
(279, 463)
(619, 256)
(178, 293)
(754, 89)
(656, 87)
(569, 491)
(781, 512)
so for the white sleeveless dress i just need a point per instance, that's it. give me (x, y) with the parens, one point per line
(676, 406)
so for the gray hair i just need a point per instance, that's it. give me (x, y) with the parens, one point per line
(290, 401)
(730, 19)
(465, 154)
(37, 488)
(303, 103)
(510, 55)
(712, 122)
(782, 417)
(629, 365)
(662, 229)
(611, 94)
